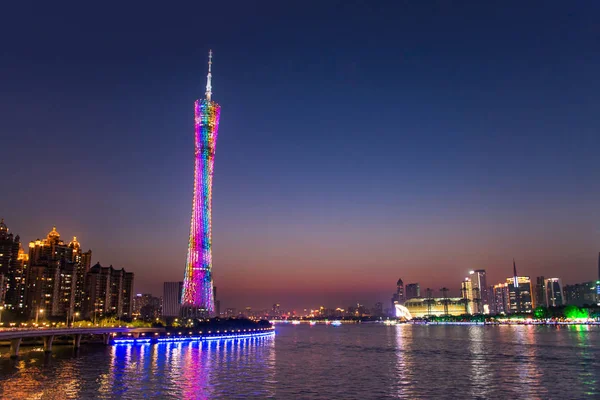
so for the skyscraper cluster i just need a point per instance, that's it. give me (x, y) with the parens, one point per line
(518, 294)
(54, 279)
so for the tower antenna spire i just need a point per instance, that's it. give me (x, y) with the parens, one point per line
(209, 77)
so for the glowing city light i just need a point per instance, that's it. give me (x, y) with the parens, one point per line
(197, 293)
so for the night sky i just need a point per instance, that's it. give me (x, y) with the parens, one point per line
(359, 141)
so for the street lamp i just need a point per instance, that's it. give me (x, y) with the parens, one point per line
(1, 308)
(75, 315)
(40, 311)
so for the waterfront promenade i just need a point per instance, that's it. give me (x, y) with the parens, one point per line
(16, 335)
(122, 335)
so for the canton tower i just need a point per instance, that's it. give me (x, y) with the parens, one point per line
(197, 299)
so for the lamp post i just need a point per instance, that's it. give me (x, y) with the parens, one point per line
(37, 314)
(1, 309)
(74, 315)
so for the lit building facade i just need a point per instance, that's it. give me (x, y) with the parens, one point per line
(146, 307)
(554, 292)
(82, 262)
(197, 296)
(481, 297)
(581, 294)
(501, 299)
(540, 291)
(466, 291)
(520, 298)
(50, 277)
(109, 292)
(13, 269)
(422, 307)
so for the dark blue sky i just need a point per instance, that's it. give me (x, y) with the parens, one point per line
(358, 142)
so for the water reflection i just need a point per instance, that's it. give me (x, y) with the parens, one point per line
(588, 378)
(403, 359)
(322, 362)
(480, 364)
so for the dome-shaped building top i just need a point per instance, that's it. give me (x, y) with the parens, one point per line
(53, 233)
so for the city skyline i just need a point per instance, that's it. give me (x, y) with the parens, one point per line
(469, 151)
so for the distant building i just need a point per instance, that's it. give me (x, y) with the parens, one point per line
(421, 307)
(276, 310)
(598, 283)
(13, 269)
(520, 298)
(540, 292)
(230, 312)
(519, 290)
(554, 292)
(172, 299)
(109, 292)
(82, 261)
(466, 290)
(146, 306)
(580, 294)
(480, 291)
(377, 311)
(412, 291)
(398, 297)
(501, 303)
(51, 277)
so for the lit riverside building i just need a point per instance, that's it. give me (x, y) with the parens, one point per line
(197, 299)
(13, 270)
(52, 275)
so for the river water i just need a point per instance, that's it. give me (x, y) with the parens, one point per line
(325, 362)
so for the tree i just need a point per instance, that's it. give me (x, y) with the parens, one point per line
(541, 312)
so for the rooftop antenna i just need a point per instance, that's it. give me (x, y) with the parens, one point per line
(209, 77)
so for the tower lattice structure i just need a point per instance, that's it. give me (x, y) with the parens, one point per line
(197, 299)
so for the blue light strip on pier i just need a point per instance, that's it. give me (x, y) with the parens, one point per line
(193, 338)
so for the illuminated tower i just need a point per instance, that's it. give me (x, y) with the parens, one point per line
(197, 299)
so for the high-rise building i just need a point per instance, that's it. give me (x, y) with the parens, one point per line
(412, 291)
(598, 283)
(50, 277)
(554, 292)
(580, 294)
(540, 291)
(146, 307)
(171, 299)
(501, 303)
(520, 300)
(480, 291)
(109, 292)
(466, 290)
(13, 269)
(520, 293)
(82, 262)
(198, 298)
(398, 297)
